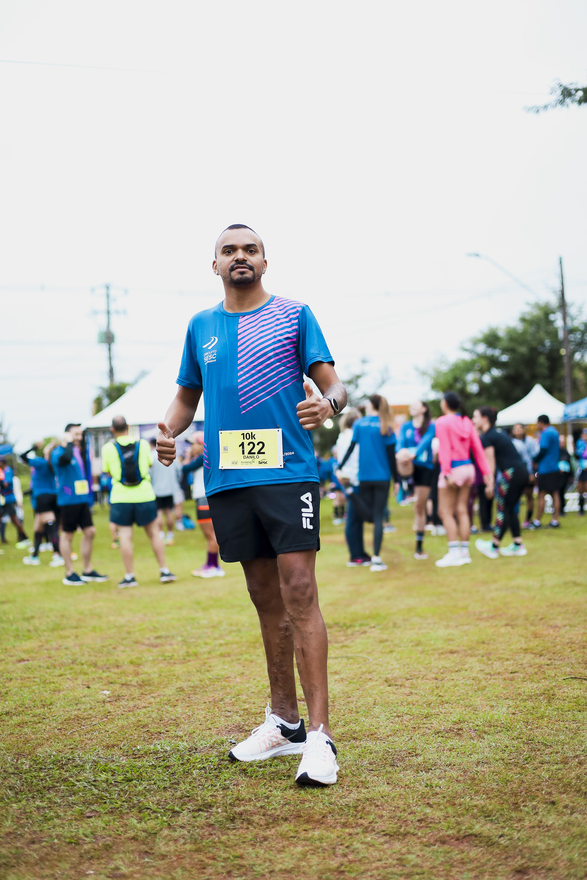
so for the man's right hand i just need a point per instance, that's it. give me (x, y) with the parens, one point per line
(165, 445)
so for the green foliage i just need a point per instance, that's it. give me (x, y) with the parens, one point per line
(108, 394)
(564, 96)
(363, 381)
(502, 364)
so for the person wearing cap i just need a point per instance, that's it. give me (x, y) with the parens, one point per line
(211, 567)
(132, 499)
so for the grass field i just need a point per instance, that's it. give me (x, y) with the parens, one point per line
(458, 705)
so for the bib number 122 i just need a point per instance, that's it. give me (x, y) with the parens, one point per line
(250, 445)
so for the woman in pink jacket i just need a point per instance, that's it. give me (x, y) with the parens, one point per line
(458, 441)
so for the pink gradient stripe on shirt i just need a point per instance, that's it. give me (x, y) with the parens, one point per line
(267, 340)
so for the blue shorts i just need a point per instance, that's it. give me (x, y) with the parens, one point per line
(140, 513)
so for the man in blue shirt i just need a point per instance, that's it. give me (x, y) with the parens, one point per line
(248, 356)
(548, 472)
(71, 464)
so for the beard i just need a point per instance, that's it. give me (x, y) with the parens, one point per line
(242, 280)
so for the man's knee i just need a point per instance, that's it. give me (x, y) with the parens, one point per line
(300, 594)
(90, 532)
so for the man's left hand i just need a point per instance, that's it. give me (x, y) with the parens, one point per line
(314, 410)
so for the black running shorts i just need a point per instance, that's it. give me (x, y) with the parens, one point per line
(46, 504)
(583, 476)
(264, 521)
(422, 475)
(165, 502)
(125, 513)
(74, 516)
(549, 482)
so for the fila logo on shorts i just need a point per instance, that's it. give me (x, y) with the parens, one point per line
(308, 511)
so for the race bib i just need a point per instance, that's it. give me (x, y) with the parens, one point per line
(251, 449)
(80, 487)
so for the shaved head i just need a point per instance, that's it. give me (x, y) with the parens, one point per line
(238, 226)
(119, 424)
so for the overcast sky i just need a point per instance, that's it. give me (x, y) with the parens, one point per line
(371, 145)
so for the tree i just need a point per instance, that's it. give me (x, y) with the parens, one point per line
(108, 394)
(564, 96)
(502, 364)
(364, 380)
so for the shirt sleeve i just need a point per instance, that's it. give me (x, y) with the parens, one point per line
(485, 441)
(312, 346)
(479, 452)
(190, 375)
(106, 458)
(444, 454)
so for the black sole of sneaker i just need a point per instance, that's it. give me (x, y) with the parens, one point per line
(305, 781)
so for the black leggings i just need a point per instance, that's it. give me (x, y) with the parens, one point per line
(373, 496)
(508, 492)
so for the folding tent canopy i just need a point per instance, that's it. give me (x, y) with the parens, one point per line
(538, 402)
(143, 406)
(576, 410)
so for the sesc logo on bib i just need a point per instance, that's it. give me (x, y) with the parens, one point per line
(308, 511)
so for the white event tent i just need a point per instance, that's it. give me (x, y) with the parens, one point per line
(538, 402)
(143, 406)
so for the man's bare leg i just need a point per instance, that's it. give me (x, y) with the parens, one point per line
(540, 505)
(300, 596)
(157, 543)
(262, 578)
(87, 543)
(126, 548)
(65, 540)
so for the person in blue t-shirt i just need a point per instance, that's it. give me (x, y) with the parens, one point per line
(414, 456)
(8, 507)
(71, 464)
(548, 472)
(581, 456)
(44, 501)
(376, 441)
(248, 356)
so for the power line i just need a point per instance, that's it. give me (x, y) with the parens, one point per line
(77, 66)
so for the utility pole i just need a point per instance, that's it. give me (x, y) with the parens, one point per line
(566, 351)
(107, 337)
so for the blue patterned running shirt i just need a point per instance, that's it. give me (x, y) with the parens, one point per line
(251, 368)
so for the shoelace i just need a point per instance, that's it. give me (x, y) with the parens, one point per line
(317, 746)
(268, 733)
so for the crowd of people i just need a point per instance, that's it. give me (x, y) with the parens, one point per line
(442, 466)
(258, 503)
(138, 489)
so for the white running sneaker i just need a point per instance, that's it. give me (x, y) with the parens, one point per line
(318, 765)
(31, 560)
(46, 547)
(209, 571)
(465, 556)
(487, 548)
(420, 555)
(57, 561)
(513, 550)
(450, 559)
(270, 740)
(377, 564)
